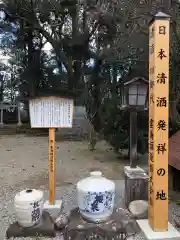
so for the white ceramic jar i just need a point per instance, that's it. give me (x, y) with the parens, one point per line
(96, 197)
(28, 206)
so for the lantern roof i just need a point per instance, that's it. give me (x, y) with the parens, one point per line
(136, 79)
(134, 76)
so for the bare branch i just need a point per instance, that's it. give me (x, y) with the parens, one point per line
(93, 30)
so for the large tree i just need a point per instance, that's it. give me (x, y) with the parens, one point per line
(94, 44)
(80, 31)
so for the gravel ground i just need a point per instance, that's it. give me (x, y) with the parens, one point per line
(24, 164)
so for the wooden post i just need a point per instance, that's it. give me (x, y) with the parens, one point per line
(158, 121)
(52, 166)
(19, 114)
(1, 116)
(51, 113)
(133, 138)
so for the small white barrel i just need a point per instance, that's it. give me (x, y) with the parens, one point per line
(28, 206)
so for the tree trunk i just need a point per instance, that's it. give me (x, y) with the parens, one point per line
(30, 62)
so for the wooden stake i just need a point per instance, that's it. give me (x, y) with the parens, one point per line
(52, 166)
(158, 121)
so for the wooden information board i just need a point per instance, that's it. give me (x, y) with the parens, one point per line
(158, 121)
(52, 113)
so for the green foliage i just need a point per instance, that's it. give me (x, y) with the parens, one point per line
(114, 126)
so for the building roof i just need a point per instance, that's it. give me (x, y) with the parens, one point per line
(174, 150)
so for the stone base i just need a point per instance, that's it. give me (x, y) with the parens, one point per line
(120, 225)
(19, 124)
(54, 209)
(44, 228)
(149, 234)
(136, 184)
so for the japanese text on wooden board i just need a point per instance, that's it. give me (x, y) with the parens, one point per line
(158, 116)
(51, 112)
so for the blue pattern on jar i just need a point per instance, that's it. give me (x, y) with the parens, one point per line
(96, 201)
(35, 215)
(86, 201)
(109, 199)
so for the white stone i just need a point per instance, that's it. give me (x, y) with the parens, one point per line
(61, 221)
(128, 169)
(171, 234)
(53, 209)
(139, 208)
